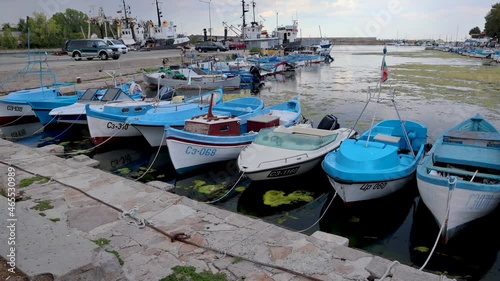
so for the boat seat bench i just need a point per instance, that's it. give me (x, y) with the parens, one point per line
(463, 172)
(472, 135)
(468, 155)
(386, 138)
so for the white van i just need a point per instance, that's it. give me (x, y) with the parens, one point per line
(118, 44)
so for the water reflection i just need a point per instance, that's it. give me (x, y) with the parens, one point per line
(467, 256)
(371, 223)
(19, 132)
(137, 162)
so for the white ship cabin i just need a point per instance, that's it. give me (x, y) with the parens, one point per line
(127, 37)
(287, 33)
(166, 31)
(254, 36)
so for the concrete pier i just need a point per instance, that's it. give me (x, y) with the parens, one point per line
(81, 223)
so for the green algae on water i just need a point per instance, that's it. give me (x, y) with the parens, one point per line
(275, 198)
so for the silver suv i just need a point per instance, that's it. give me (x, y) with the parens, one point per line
(91, 48)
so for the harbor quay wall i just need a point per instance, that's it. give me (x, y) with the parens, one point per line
(76, 222)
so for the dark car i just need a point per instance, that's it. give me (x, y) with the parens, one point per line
(210, 46)
(91, 48)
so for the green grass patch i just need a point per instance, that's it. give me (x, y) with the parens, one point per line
(28, 181)
(43, 205)
(3, 191)
(117, 255)
(101, 242)
(55, 219)
(237, 260)
(188, 273)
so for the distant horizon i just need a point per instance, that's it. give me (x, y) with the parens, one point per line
(386, 19)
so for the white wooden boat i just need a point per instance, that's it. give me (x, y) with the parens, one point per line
(459, 179)
(191, 80)
(208, 139)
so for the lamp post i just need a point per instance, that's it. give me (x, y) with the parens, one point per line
(209, 17)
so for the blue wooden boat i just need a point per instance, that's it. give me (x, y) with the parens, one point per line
(459, 179)
(112, 120)
(152, 124)
(42, 108)
(210, 138)
(379, 162)
(15, 107)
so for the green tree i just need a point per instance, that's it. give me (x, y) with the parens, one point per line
(7, 40)
(43, 33)
(475, 32)
(6, 26)
(492, 24)
(71, 22)
(22, 26)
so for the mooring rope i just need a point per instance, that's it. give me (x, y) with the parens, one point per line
(223, 196)
(320, 217)
(452, 181)
(154, 159)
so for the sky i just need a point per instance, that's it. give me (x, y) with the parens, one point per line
(383, 19)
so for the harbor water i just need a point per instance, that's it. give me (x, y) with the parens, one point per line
(434, 88)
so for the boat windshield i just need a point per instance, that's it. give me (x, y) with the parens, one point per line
(294, 141)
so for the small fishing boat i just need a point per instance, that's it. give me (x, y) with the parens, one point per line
(282, 152)
(110, 122)
(459, 179)
(382, 160)
(379, 162)
(189, 79)
(210, 138)
(15, 107)
(152, 123)
(73, 111)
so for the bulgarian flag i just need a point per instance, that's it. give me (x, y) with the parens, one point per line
(384, 69)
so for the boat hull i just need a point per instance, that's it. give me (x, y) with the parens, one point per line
(102, 130)
(187, 155)
(284, 171)
(361, 191)
(12, 113)
(465, 205)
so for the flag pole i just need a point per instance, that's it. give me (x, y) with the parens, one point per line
(383, 69)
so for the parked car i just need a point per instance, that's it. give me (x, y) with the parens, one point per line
(210, 46)
(237, 46)
(90, 49)
(118, 44)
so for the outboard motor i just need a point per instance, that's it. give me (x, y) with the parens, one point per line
(256, 79)
(329, 122)
(166, 93)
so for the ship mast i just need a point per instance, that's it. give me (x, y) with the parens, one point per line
(244, 23)
(158, 12)
(127, 22)
(254, 23)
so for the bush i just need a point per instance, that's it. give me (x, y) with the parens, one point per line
(7, 41)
